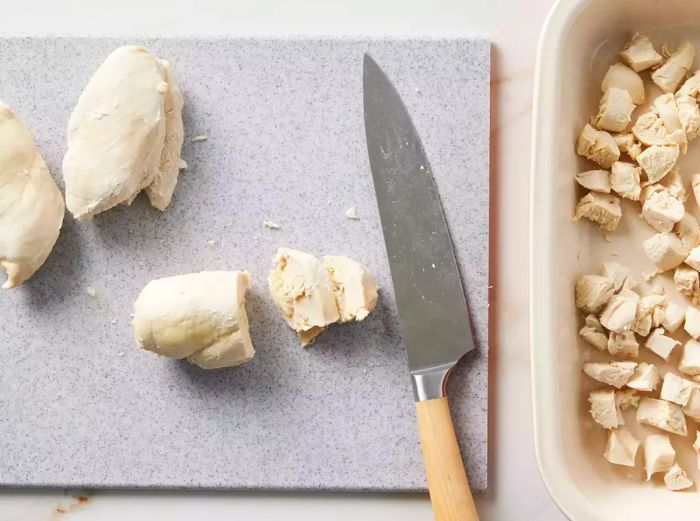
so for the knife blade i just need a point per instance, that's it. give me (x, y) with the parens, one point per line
(430, 298)
(429, 294)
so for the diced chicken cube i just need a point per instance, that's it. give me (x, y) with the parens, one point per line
(677, 479)
(593, 292)
(660, 344)
(620, 312)
(658, 160)
(615, 111)
(662, 415)
(690, 358)
(693, 258)
(622, 77)
(624, 179)
(611, 373)
(669, 76)
(639, 53)
(673, 182)
(645, 378)
(649, 129)
(598, 146)
(691, 87)
(674, 315)
(692, 408)
(662, 211)
(604, 410)
(676, 389)
(692, 321)
(595, 180)
(594, 334)
(667, 109)
(628, 144)
(622, 447)
(695, 185)
(665, 250)
(688, 231)
(623, 345)
(689, 115)
(687, 281)
(658, 454)
(603, 209)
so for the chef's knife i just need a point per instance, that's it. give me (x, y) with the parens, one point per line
(429, 295)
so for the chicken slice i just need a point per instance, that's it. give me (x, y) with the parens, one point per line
(198, 316)
(31, 205)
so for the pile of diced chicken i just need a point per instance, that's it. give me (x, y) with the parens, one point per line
(637, 156)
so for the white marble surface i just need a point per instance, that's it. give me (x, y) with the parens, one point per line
(516, 490)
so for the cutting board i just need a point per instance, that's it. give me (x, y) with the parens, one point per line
(81, 405)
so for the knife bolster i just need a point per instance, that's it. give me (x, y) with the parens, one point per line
(429, 384)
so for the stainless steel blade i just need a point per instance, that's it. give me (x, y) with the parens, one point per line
(429, 294)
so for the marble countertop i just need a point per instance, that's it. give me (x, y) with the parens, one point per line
(515, 488)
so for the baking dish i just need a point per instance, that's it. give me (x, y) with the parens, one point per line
(581, 38)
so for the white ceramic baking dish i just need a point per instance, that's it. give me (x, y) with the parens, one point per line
(581, 38)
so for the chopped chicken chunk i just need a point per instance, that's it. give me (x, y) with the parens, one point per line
(598, 146)
(662, 415)
(615, 111)
(658, 454)
(611, 373)
(665, 250)
(669, 76)
(639, 53)
(690, 358)
(603, 209)
(604, 410)
(594, 334)
(595, 180)
(661, 344)
(658, 160)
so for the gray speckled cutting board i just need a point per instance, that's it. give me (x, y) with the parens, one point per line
(80, 405)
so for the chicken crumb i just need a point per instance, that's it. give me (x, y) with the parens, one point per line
(351, 213)
(91, 291)
(197, 139)
(271, 224)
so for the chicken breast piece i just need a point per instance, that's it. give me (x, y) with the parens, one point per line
(598, 146)
(303, 294)
(615, 111)
(639, 53)
(622, 77)
(658, 160)
(198, 316)
(603, 209)
(669, 76)
(117, 134)
(31, 205)
(595, 180)
(160, 191)
(354, 287)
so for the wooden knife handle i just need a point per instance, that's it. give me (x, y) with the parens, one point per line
(447, 480)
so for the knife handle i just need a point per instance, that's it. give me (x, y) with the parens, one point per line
(447, 480)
